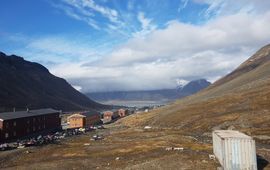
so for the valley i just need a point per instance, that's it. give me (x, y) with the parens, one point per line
(240, 102)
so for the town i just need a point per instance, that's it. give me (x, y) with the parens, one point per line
(20, 129)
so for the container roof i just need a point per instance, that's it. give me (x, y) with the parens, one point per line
(22, 114)
(231, 134)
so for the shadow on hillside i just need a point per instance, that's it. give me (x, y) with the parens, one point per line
(261, 162)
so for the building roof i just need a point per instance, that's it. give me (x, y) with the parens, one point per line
(90, 113)
(22, 114)
(76, 115)
(231, 134)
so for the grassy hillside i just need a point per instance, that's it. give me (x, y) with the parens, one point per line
(240, 100)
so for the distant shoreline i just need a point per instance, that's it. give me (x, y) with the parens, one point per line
(134, 103)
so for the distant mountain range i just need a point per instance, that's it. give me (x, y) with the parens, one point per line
(27, 84)
(183, 89)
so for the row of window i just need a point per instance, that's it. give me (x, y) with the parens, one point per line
(28, 121)
(14, 124)
(7, 134)
(27, 130)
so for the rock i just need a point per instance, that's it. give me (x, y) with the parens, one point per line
(231, 127)
(212, 157)
(204, 161)
(147, 127)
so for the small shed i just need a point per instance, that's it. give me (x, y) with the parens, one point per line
(234, 150)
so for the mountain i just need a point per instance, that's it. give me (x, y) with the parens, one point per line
(239, 100)
(183, 89)
(28, 84)
(193, 87)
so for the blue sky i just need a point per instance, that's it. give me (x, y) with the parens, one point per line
(112, 20)
(108, 45)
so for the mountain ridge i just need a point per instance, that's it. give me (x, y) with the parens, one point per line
(29, 84)
(152, 95)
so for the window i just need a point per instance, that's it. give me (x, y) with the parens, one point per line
(6, 135)
(14, 133)
(7, 125)
(14, 123)
(34, 119)
(34, 128)
(38, 127)
(28, 121)
(44, 126)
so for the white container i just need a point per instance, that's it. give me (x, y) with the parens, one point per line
(234, 150)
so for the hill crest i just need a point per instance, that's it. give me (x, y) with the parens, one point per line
(29, 84)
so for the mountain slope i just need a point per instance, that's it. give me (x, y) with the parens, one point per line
(27, 84)
(152, 95)
(258, 59)
(240, 100)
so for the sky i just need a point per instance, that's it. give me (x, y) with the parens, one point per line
(121, 45)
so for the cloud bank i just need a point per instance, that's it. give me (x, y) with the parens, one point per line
(154, 56)
(180, 50)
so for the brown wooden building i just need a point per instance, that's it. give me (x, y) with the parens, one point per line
(15, 125)
(85, 119)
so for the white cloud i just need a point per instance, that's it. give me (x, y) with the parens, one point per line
(82, 15)
(130, 5)
(87, 10)
(51, 50)
(180, 50)
(226, 33)
(227, 7)
(146, 26)
(183, 5)
(79, 88)
(111, 14)
(156, 58)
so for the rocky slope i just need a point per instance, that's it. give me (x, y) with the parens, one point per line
(27, 84)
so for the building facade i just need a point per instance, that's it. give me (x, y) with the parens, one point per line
(84, 119)
(14, 125)
(76, 121)
(122, 112)
(92, 118)
(107, 116)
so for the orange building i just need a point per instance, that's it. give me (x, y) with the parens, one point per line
(85, 119)
(76, 121)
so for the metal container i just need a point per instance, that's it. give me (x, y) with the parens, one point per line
(234, 150)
